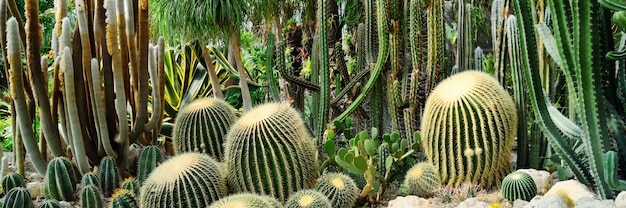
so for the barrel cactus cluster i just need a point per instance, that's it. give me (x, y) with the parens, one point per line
(421, 180)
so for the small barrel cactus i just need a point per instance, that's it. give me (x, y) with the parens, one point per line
(339, 188)
(246, 200)
(90, 178)
(469, 125)
(151, 156)
(131, 184)
(201, 126)
(60, 180)
(186, 180)
(51, 203)
(11, 181)
(109, 176)
(90, 197)
(518, 185)
(421, 180)
(270, 152)
(308, 198)
(17, 197)
(123, 198)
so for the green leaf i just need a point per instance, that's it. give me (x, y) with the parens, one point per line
(355, 170)
(403, 144)
(374, 133)
(370, 147)
(348, 123)
(395, 136)
(388, 162)
(360, 162)
(342, 152)
(417, 137)
(406, 154)
(329, 146)
(341, 162)
(349, 157)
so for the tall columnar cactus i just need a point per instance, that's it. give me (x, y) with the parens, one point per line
(340, 189)
(90, 197)
(308, 198)
(90, 178)
(60, 181)
(518, 185)
(51, 203)
(151, 156)
(246, 200)
(468, 129)
(17, 198)
(11, 181)
(269, 151)
(131, 184)
(435, 43)
(109, 176)
(201, 127)
(421, 180)
(187, 180)
(479, 59)
(123, 198)
(324, 70)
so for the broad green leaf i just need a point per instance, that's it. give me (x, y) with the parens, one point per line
(388, 162)
(330, 134)
(341, 163)
(329, 146)
(370, 147)
(360, 162)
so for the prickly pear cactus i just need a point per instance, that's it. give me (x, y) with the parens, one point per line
(246, 200)
(469, 125)
(421, 180)
(308, 199)
(11, 181)
(340, 189)
(518, 185)
(60, 180)
(90, 197)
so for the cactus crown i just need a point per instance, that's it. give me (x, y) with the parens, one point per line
(308, 198)
(422, 180)
(518, 185)
(246, 200)
(340, 189)
(11, 181)
(51, 203)
(17, 197)
(60, 180)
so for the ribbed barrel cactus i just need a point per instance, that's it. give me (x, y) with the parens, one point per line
(468, 128)
(123, 198)
(51, 203)
(201, 126)
(17, 197)
(340, 189)
(151, 156)
(60, 180)
(308, 198)
(109, 176)
(90, 197)
(246, 200)
(11, 181)
(421, 180)
(518, 185)
(130, 184)
(270, 152)
(90, 178)
(186, 180)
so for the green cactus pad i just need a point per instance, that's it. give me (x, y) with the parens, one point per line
(60, 180)
(518, 185)
(90, 197)
(11, 181)
(339, 188)
(201, 126)
(17, 197)
(151, 157)
(109, 176)
(246, 200)
(131, 184)
(270, 152)
(187, 180)
(421, 180)
(90, 178)
(469, 125)
(123, 198)
(49, 204)
(308, 198)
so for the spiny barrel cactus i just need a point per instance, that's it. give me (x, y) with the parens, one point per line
(246, 200)
(187, 180)
(270, 152)
(468, 129)
(308, 198)
(123, 198)
(201, 126)
(131, 184)
(109, 176)
(60, 180)
(90, 197)
(90, 178)
(151, 156)
(17, 197)
(518, 185)
(11, 181)
(421, 180)
(51, 203)
(339, 188)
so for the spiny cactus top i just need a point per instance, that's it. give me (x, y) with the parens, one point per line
(339, 188)
(421, 180)
(308, 198)
(468, 129)
(246, 200)
(518, 185)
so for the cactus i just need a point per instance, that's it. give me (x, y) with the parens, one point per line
(11, 181)
(340, 189)
(109, 176)
(151, 156)
(324, 71)
(246, 200)
(123, 198)
(421, 180)
(60, 180)
(308, 198)
(468, 129)
(518, 185)
(479, 61)
(269, 151)
(131, 184)
(90, 197)
(17, 197)
(190, 179)
(50, 204)
(274, 88)
(90, 178)
(201, 126)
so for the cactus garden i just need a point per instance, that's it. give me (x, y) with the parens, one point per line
(315, 103)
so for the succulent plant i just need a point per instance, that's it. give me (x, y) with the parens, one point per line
(90, 178)
(518, 185)
(17, 197)
(131, 184)
(60, 180)
(246, 200)
(340, 189)
(51, 203)
(308, 198)
(123, 198)
(90, 197)
(109, 176)
(469, 125)
(186, 180)
(11, 181)
(269, 151)
(201, 126)
(421, 180)
(151, 156)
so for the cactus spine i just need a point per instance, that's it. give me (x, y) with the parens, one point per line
(518, 185)
(201, 126)
(50, 204)
(90, 178)
(123, 198)
(308, 199)
(187, 180)
(60, 180)
(11, 181)
(109, 176)
(17, 197)
(340, 189)
(90, 197)
(131, 184)
(468, 132)
(246, 200)
(269, 151)
(421, 180)
(151, 156)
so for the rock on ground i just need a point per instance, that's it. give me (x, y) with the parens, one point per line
(570, 191)
(548, 201)
(542, 179)
(588, 202)
(409, 202)
(472, 203)
(620, 200)
(518, 203)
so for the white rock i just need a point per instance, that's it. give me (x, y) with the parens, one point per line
(570, 191)
(548, 201)
(473, 203)
(35, 189)
(542, 179)
(35, 177)
(518, 203)
(65, 204)
(408, 202)
(620, 200)
(588, 202)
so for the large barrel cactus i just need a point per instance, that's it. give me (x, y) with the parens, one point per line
(468, 129)
(421, 180)
(270, 152)
(201, 127)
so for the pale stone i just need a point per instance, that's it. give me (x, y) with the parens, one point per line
(620, 200)
(473, 203)
(548, 201)
(409, 202)
(542, 179)
(588, 202)
(518, 203)
(570, 191)
(35, 189)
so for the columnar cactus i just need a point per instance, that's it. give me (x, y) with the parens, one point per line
(90, 197)
(109, 176)
(11, 181)
(468, 129)
(308, 199)
(131, 184)
(518, 185)
(50, 204)
(201, 126)
(151, 156)
(90, 178)
(60, 180)
(187, 180)
(340, 189)
(246, 200)
(270, 152)
(421, 180)
(123, 198)
(17, 197)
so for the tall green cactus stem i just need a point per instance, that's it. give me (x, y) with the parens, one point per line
(479, 60)
(518, 185)
(11, 181)
(370, 31)
(17, 198)
(50, 204)
(130, 184)
(104, 143)
(150, 157)
(109, 176)
(90, 197)
(421, 180)
(60, 180)
(464, 39)
(17, 89)
(270, 47)
(123, 198)
(517, 75)
(308, 198)
(468, 132)
(118, 79)
(246, 200)
(340, 189)
(186, 180)
(324, 70)
(418, 47)
(498, 38)
(269, 151)
(201, 127)
(436, 43)
(90, 179)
